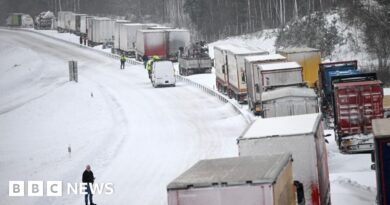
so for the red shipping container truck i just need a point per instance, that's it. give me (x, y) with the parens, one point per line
(357, 102)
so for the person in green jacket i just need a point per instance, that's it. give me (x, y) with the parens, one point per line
(123, 60)
(149, 65)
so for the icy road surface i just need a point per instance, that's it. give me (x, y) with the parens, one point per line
(135, 136)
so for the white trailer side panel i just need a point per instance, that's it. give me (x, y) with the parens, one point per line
(64, 18)
(177, 38)
(68, 20)
(117, 32)
(72, 25)
(102, 30)
(219, 65)
(236, 67)
(83, 24)
(302, 136)
(302, 148)
(232, 195)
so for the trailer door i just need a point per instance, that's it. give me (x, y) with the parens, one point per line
(348, 115)
(372, 105)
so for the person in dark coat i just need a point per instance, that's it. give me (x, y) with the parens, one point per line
(89, 179)
(145, 59)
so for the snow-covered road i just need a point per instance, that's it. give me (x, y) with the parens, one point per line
(135, 136)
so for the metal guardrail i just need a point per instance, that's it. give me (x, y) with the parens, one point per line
(135, 62)
(215, 94)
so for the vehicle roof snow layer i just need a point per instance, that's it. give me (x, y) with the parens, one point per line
(288, 92)
(232, 171)
(282, 126)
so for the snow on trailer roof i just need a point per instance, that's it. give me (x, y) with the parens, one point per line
(352, 84)
(133, 24)
(381, 128)
(178, 29)
(282, 126)
(102, 19)
(232, 171)
(288, 92)
(279, 66)
(297, 50)
(245, 50)
(226, 47)
(150, 31)
(271, 57)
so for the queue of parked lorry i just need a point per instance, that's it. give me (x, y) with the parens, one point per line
(282, 155)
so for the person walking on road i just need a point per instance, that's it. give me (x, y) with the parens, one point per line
(145, 59)
(149, 65)
(123, 60)
(89, 179)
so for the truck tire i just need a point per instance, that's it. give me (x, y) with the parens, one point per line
(229, 93)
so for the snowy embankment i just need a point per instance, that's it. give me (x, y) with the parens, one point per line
(134, 136)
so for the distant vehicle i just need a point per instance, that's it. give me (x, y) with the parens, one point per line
(76, 21)
(357, 100)
(300, 135)
(253, 80)
(117, 36)
(308, 58)
(220, 66)
(257, 180)
(128, 37)
(63, 21)
(194, 59)
(100, 31)
(20, 20)
(350, 100)
(151, 42)
(326, 72)
(163, 74)
(236, 81)
(164, 43)
(45, 20)
(291, 100)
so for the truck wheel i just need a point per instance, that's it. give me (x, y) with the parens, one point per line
(230, 95)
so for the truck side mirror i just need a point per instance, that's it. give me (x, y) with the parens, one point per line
(373, 166)
(243, 77)
(223, 69)
(373, 156)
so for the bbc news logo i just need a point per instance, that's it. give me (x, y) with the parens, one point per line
(56, 188)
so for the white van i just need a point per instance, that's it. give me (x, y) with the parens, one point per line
(163, 74)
